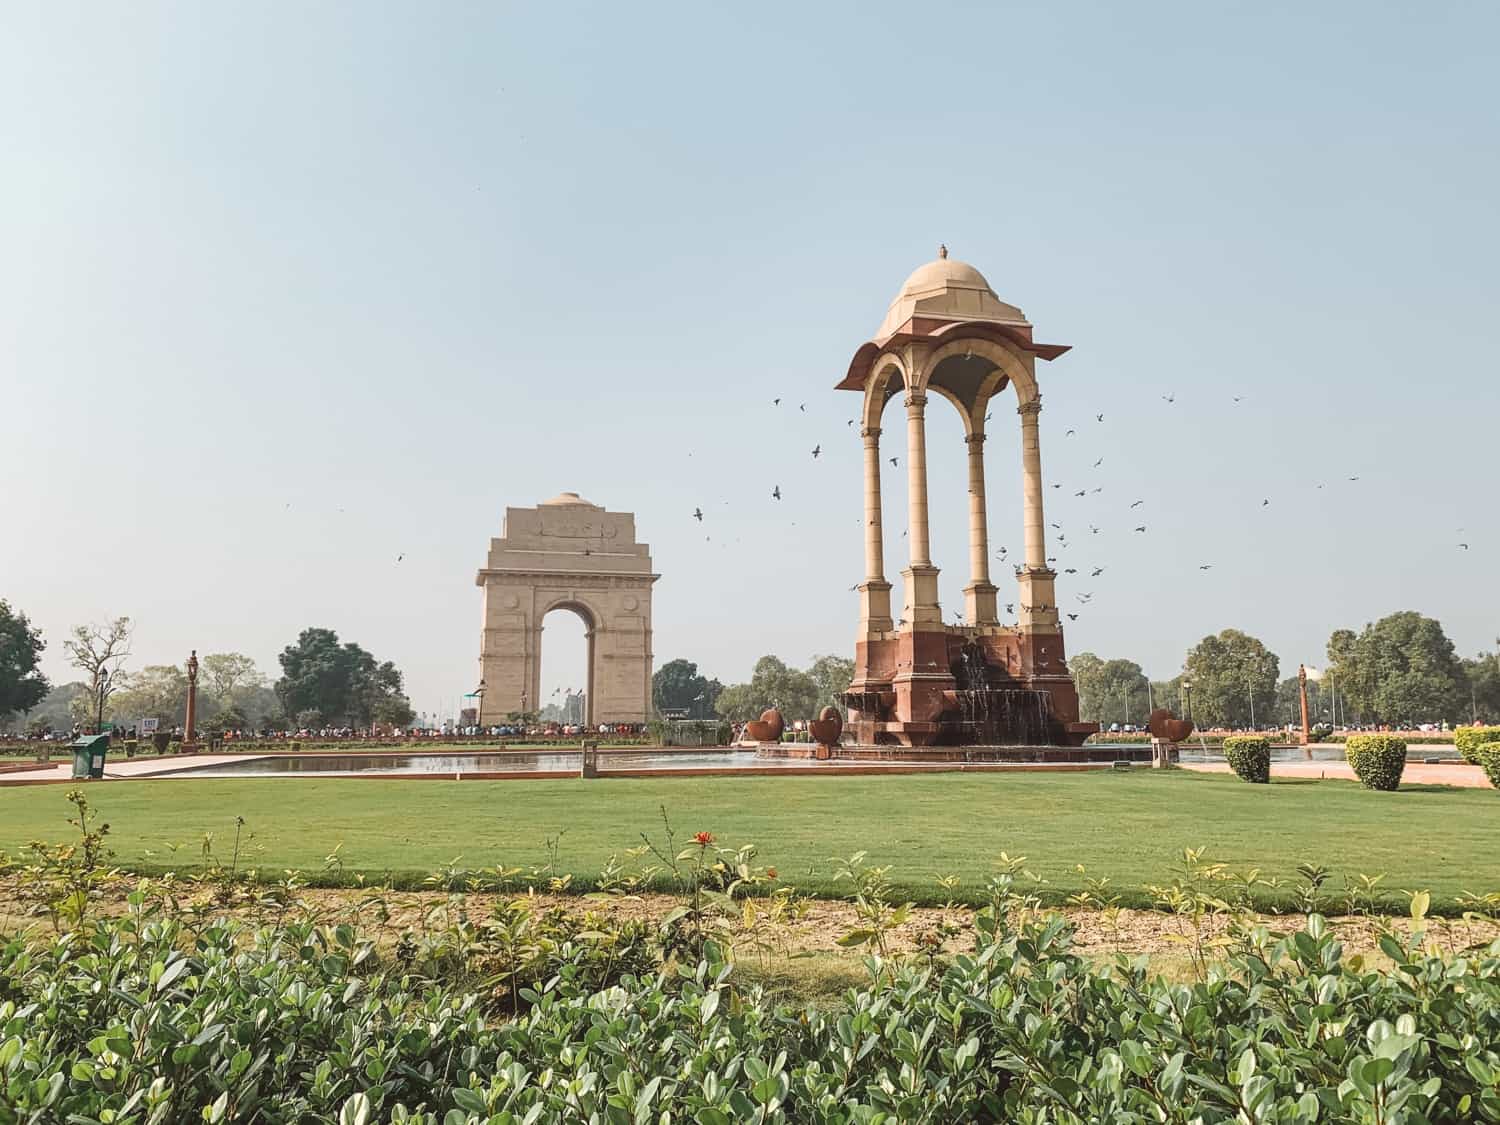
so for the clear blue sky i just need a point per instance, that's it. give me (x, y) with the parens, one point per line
(287, 290)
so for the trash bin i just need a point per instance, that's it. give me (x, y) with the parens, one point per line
(88, 755)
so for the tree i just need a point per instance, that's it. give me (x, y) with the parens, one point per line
(22, 686)
(101, 652)
(225, 676)
(1483, 674)
(61, 707)
(1233, 675)
(157, 691)
(1400, 670)
(1110, 691)
(1289, 703)
(343, 683)
(772, 684)
(677, 686)
(833, 675)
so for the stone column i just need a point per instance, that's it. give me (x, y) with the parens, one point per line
(979, 594)
(1031, 484)
(874, 591)
(921, 576)
(1038, 599)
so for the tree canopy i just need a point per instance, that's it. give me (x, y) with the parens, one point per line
(343, 683)
(1110, 691)
(772, 684)
(1401, 669)
(832, 674)
(677, 686)
(22, 685)
(1234, 677)
(157, 691)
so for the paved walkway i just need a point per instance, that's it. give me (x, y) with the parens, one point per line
(1416, 773)
(126, 768)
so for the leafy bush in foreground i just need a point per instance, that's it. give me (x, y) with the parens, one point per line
(1468, 740)
(138, 1020)
(1487, 755)
(1250, 757)
(1376, 759)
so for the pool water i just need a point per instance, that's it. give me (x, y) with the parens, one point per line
(565, 761)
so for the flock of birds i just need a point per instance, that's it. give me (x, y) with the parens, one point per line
(1061, 537)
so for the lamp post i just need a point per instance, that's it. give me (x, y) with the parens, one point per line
(191, 722)
(1250, 691)
(1302, 691)
(103, 685)
(1187, 700)
(479, 706)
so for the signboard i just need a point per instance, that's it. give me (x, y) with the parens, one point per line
(148, 726)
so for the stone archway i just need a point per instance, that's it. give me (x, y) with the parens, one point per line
(567, 554)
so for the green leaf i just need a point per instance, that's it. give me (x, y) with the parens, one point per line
(356, 1110)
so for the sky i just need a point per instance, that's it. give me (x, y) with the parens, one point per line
(289, 291)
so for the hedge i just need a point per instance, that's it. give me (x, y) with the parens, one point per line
(1250, 757)
(1470, 739)
(1376, 759)
(1487, 757)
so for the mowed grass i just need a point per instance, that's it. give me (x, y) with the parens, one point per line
(1130, 827)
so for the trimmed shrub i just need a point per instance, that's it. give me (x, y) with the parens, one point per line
(1487, 757)
(1376, 759)
(1470, 739)
(1250, 757)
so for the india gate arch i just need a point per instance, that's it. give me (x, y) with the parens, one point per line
(946, 336)
(567, 554)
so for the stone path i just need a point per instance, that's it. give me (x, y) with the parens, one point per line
(127, 768)
(1416, 773)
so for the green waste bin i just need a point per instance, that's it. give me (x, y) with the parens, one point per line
(88, 755)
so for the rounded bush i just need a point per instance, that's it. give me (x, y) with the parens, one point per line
(1376, 759)
(1487, 757)
(1469, 739)
(1250, 757)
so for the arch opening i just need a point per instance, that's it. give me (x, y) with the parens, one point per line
(565, 660)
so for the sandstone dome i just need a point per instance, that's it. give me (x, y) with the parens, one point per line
(947, 289)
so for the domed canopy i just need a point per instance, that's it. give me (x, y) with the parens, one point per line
(567, 500)
(947, 290)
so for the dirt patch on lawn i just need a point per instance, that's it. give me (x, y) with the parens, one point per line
(808, 927)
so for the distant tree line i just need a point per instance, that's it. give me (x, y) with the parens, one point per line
(1397, 671)
(322, 683)
(797, 693)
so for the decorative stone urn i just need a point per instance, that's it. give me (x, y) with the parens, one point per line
(767, 728)
(1164, 726)
(826, 730)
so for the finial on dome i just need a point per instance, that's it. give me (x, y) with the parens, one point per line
(942, 250)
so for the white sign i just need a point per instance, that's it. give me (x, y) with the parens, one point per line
(148, 726)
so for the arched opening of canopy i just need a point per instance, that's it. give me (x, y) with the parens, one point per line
(564, 673)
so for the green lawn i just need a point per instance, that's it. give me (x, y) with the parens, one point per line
(1130, 827)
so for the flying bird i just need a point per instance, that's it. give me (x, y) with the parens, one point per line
(1169, 398)
(1094, 529)
(1465, 546)
(1141, 528)
(893, 462)
(1098, 462)
(1238, 398)
(850, 422)
(1071, 570)
(1010, 608)
(802, 407)
(1057, 486)
(1070, 433)
(400, 557)
(776, 493)
(1081, 492)
(1265, 503)
(816, 450)
(1098, 417)
(1072, 617)
(1137, 504)
(1205, 566)
(1353, 478)
(1098, 570)
(775, 402)
(698, 514)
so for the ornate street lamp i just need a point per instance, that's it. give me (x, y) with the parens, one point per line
(192, 701)
(1187, 700)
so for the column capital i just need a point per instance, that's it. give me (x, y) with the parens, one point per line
(916, 399)
(1032, 408)
(868, 432)
(974, 439)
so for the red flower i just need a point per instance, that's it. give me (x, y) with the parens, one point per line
(770, 873)
(704, 839)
